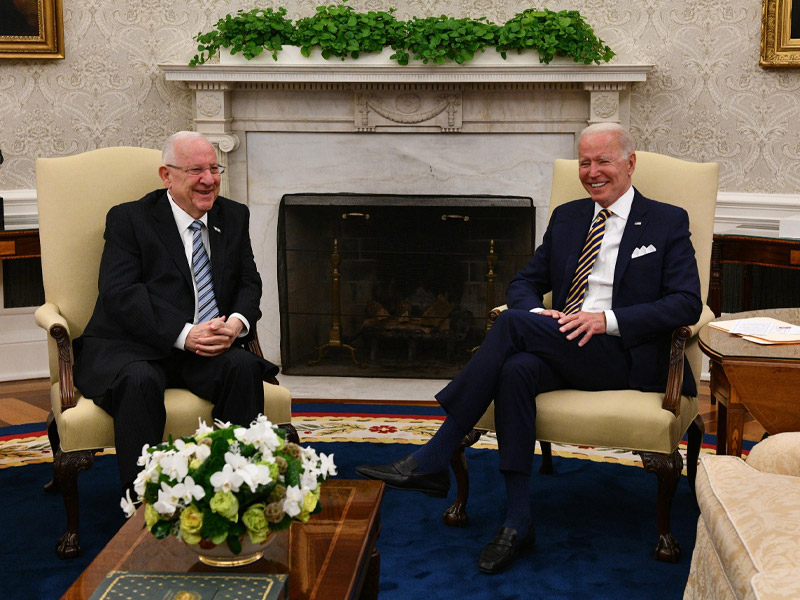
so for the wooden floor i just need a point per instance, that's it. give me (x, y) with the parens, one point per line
(23, 402)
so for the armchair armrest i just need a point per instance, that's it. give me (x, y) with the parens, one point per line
(48, 317)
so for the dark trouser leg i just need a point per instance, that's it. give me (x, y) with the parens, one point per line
(136, 401)
(232, 381)
(600, 364)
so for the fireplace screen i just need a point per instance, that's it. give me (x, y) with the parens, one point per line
(393, 286)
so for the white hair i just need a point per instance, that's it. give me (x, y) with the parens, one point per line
(626, 142)
(168, 152)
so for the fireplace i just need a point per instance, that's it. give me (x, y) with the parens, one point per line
(300, 130)
(393, 285)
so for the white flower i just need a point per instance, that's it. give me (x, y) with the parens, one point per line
(226, 480)
(326, 467)
(202, 428)
(167, 503)
(127, 505)
(222, 424)
(175, 466)
(144, 457)
(254, 475)
(293, 502)
(187, 490)
(308, 481)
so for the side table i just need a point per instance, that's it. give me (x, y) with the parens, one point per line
(746, 377)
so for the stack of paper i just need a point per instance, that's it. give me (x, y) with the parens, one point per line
(761, 330)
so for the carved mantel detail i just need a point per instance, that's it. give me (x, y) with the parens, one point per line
(404, 109)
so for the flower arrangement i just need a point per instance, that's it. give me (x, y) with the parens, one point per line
(220, 484)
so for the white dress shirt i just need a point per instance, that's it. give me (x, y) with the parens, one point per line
(601, 279)
(183, 220)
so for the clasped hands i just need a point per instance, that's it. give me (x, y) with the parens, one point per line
(213, 337)
(585, 324)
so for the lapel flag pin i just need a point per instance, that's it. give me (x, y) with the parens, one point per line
(217, 229)
(636, 223)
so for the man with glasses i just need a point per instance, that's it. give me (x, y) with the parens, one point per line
(178, 297)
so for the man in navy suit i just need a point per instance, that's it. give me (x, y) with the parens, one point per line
(150, 330)
(608, 330)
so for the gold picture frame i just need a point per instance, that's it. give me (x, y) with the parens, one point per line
(31, 29)
(780, 34)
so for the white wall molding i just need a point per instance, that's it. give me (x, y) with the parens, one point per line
(20, 209)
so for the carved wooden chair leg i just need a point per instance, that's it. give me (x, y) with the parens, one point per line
(694, 439)
(291, 432)
(66, 467)
(667, 468)
(456, 514)
(547, 458)
(51, 486)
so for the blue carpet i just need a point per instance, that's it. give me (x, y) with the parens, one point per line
(595, 528)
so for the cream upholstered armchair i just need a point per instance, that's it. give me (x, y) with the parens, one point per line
(650, 424)
(74, 195)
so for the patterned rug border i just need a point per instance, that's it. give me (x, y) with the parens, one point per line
(26, 448)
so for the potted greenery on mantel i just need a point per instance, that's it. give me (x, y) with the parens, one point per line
(337, 30)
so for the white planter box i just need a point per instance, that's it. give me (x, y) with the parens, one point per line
(290, 56)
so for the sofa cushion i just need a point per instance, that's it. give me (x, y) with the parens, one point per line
(779, 453)
(753, 521)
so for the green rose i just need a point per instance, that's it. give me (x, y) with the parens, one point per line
(151, 516)
(256, 522)
(225, 504)
(191, 524)
(310, 500)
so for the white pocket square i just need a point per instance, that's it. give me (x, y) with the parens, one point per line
(641, 251)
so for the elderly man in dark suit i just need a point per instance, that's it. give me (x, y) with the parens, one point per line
(178, 296)
(623, 275)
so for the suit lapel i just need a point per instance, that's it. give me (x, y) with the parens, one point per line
(634, 228)
(167, 231)
(216, 239)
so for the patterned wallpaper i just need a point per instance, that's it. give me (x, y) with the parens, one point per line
(707, 98)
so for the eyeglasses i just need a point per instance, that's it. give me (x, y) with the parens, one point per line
(198, 171)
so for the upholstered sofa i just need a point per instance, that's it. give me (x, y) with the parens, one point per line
(748, 533)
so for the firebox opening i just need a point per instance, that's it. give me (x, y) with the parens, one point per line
(393, 285)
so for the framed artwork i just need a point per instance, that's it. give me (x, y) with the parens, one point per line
(31, 29)
(780, 33)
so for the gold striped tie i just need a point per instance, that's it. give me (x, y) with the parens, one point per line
(591, 248)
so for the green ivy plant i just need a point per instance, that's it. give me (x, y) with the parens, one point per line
(341, 31)
(438, 39)
(552, 34)
(249, 32)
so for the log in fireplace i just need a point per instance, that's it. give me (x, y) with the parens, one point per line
(393, 285)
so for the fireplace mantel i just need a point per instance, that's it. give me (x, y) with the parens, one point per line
(564, 96)
(374, 129)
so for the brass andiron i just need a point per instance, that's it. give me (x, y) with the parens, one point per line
(491, 262)
(335, 333)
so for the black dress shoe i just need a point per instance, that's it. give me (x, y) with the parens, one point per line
(400, 475)
(500, 553)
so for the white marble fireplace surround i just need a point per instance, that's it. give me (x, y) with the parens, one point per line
(345, 127)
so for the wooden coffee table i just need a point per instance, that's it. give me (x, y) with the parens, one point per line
(332, 556)
(751, 378)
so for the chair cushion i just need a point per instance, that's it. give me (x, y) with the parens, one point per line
(86, 426)
(626, 419)
(753, 522)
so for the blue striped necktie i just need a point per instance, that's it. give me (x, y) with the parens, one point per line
(201, 267)
(580, 282)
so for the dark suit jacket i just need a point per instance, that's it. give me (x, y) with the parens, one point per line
(145, 286)
(652, 294)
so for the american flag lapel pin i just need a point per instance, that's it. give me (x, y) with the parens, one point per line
(218, 230)
(635, 223)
